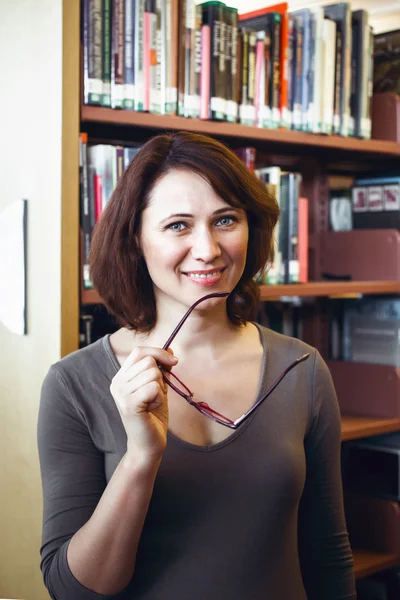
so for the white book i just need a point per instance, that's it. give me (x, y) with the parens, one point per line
(314, 117)
(328, 70)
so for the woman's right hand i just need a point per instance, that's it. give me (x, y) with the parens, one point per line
(140, 394)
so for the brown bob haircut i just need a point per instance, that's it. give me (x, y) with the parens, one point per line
(117, 267)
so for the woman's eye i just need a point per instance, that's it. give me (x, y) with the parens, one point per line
(178, 226)
(226, 221)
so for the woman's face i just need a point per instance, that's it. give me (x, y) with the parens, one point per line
(193, 242)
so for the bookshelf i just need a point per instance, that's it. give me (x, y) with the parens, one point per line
(379, 149)
(313, 289)
(355, 427)
(328, 153)
(367, 563)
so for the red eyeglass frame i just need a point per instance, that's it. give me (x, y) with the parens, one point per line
(203, 407)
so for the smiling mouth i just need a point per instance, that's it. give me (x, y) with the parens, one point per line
(204, 275)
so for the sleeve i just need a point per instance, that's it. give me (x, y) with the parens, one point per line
(73, 481)
(325, 555)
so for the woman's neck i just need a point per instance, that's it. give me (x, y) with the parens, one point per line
(207, 332)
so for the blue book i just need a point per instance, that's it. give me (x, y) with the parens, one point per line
(379, 181)
(305, 19)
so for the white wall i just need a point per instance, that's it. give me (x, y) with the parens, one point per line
(30, 167)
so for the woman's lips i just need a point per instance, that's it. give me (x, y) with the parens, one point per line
(205, 278)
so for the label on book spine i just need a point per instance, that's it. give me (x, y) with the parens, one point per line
(247, 114)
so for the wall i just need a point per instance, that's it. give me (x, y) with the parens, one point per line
(30, 167)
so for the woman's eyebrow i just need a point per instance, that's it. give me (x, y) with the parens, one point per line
(214, 214)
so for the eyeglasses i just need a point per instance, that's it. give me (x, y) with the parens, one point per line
(180, 388)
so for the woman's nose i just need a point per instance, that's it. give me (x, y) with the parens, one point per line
(205, 246)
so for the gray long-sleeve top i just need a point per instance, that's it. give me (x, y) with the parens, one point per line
(258, 516)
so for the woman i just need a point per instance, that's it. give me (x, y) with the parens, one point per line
(146, 497)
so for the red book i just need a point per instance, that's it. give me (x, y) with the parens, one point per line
(248, 156)
(98, 196)
(303, 240)
(282, 9)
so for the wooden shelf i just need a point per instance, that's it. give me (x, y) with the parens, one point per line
(329, 288)
(316, 288)
(98, 114)
(367, 563)
(355, 427)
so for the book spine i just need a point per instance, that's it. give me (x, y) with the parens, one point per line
(364, 130)
(244, 53)
(298, 77)
(196, 62)
(274, 93)
(129, 72)
(285, 117)
(231, 17)
(205, 72)
(291, 69)
(106, 61)
(85, 48)
(94, 54)
(266, 116)
(341, 13)
(213, 16)
(117, 70)
(292, 275)
(338, 78)
(355, 79)
(283, 241)
(85, 212)
(139, 55)
(251, 75)
(328, 69)
(239, 60)
(119, 160)
(98, 194)
(346, 89)
(247, 155)
(155, 60)
(164, 45)
(303, 240)
(182, 57)
(149, 52)
(312, 42)
(189, 27)
(319, 77)
(305, 69)
(370, 59)
(274, 273)
(172, 62)
(260, 79)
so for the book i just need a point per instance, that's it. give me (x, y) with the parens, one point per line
(106, 57)
(376, 203)
(117, 54)
(129, 44)
(92, 41)
(341, 14)
(213, 16)
(328, 70)
(271, 177)
(257, 20)
(386, 51)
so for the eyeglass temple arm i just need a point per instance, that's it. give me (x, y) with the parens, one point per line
(185, 316)
(271, 389)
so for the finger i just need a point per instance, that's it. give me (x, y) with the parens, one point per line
(149, 395)
(141, 380)
(139, 352)
(148, 362)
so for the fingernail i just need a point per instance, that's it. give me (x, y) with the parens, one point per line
(174, 359)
